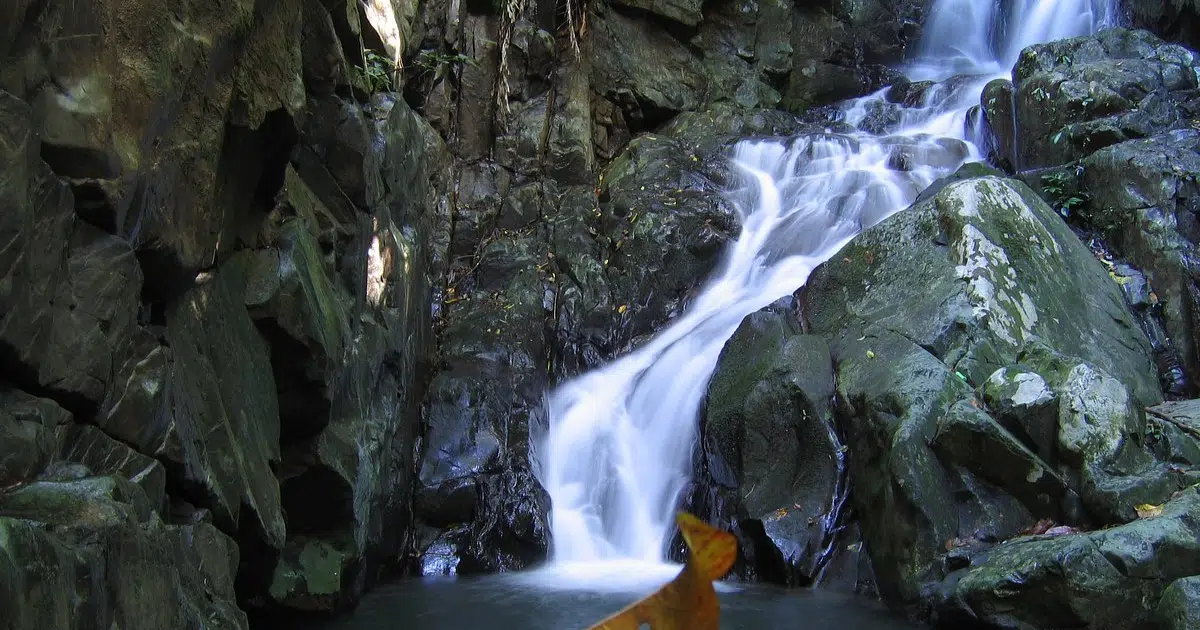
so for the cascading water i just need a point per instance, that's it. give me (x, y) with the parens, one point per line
(620, 439)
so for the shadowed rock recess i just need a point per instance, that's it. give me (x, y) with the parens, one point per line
(283, 284)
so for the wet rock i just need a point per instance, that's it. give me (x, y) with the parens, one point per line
(1076, 96)
(841, 51)
(102, 101)
(1179, 607)
(968, 437)
(70, 291)
(1111, 578)
(1174, 21)
(103, 455)
(1142, 197)
(989, 276)
(311, 575)
(682, 11)
(645, 70)
(222, 402)
(342, 297)
(92, 551)
(28, 428)
(747, 51)
(768, 433)
(1176, 427)
(511, 529)
(1026, 406)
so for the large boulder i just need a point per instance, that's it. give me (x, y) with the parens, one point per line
(1075, 96)
(644, 69)
(139, 115)
(1005, 311)
(1179, 607)
(770, 440)
(341, 294)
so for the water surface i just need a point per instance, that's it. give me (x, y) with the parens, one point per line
(506, 601)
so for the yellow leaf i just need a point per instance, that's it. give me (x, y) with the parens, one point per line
(688, 602)
(622, 308)
(1147, 510)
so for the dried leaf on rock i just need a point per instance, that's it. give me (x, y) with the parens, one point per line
(1147, 510)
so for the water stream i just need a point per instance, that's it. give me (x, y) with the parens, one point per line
(620, 440)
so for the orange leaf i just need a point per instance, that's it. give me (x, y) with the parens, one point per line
(688, 602)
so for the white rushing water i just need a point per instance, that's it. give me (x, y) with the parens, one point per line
(620, 440)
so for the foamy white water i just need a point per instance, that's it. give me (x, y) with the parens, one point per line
(619, 444)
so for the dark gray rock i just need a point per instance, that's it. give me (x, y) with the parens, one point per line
(683, 11)
(843, 50)
(644, 69)
(1112, 578)
(990, 276)
(1143, 197)
(1076, 96)
(222, 419)
(70, 292)
(1176, 427)
(769, 435)
(93, 553)
(102, 455)
(28, 432)
(1173, 20)
(1179, 607)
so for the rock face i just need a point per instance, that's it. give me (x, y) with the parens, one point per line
(1111, 117)
(304, 300)
(277, 311)
(772, 450)
(1131, 576)
(1009, 390)
(216, 263)
(1175, 20)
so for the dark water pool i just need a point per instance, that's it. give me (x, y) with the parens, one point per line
(503, 602)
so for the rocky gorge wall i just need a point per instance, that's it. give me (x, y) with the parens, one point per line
(277, 312)
(269, 333)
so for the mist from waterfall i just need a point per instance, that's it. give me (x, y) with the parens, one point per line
(620, 439)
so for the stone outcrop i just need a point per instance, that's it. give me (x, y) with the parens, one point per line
(1107, 122)
(1014, 393)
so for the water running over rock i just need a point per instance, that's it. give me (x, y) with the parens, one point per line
(619, 446)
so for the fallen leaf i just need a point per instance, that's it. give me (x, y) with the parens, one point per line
(621, 309)
(870, 354)
(1038, 528)
(688, 602)
(1147, 510)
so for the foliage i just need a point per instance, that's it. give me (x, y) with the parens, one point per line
(376, 74)
(439, 63)
(688, 602)
(1061, 192)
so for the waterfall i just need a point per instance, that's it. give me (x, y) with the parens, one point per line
(620, 439)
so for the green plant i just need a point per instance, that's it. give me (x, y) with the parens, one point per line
(1059, 188)
(377, 74)
(439, 63)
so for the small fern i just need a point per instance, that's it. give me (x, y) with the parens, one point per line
(377, 73)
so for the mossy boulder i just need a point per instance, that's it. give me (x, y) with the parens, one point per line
(1113, 578)
(994, 285)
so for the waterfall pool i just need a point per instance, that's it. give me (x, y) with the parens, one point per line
(504, 601)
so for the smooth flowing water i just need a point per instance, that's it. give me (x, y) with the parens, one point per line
(619, 443)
